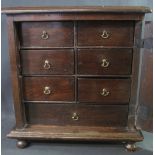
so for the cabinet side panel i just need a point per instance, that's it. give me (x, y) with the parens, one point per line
(16, 79)
(135, 75)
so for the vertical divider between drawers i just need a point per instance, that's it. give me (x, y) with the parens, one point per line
(75, 60)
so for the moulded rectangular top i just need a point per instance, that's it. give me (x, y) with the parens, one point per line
(59, 9)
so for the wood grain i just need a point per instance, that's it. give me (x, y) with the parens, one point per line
(60, 62)
(62, 89)
(59, 34)
(47, 9)
(135, 75)
(120, 33)
(75, 49)
(90, 61)
(15, 71)
(88, 115)
(89, 90)
(76, 133)
(95, 16)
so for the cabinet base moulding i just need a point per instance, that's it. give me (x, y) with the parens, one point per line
(76, 133)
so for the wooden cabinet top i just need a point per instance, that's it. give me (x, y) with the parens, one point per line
(82, 9)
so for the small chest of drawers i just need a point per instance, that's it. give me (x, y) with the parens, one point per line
(75, 73)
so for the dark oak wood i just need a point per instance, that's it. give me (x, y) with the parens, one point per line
(120, 33)
(78, 16)
(135, 76)
(90, 90)
(61, 89)
(77, 13)
(86, 115)
(78, 133)
(109, 16)
(59, 34)
(59, 62)
(47, 9)
(90, 61)
(16, 79)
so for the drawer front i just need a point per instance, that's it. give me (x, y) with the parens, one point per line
(105, 33)
(114, 91)
(78, 115)
(48, 89)
(105, 61)
(47, 61)
(47, 34)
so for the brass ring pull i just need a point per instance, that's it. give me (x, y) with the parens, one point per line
(105, 34)
(75, 117)
(47, 90)
(104, 92)
(105, 63)
(47, 65)
(44, 35)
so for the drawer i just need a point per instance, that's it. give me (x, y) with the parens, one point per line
(78, 115)
(47, 34)
(105, 33)
(105, 61)
(103, 91)
(48, 88)
(47, 61)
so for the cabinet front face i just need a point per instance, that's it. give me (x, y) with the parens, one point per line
(94, 84)
(66, 75)
(79, 73)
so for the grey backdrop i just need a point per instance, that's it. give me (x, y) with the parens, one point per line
(8, 120)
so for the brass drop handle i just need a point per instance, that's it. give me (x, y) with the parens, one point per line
(105, 34)
(44, 35)
(47, 65)
(105, 63)
(104, 92)
(47, 90)
(75, 117)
